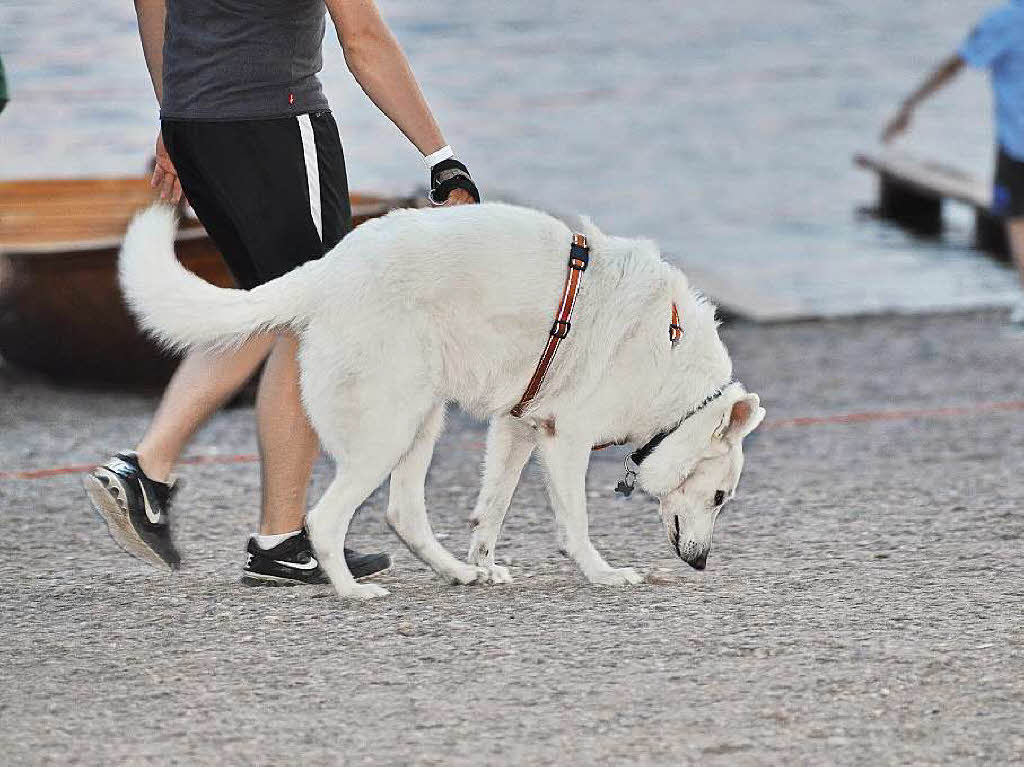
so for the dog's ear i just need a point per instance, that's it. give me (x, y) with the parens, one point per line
(741, 419)
(736, 414)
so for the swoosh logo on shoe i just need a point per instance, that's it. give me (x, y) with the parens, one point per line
(312, 564)
(154, 518)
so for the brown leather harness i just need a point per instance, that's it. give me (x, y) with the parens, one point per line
(579, 259)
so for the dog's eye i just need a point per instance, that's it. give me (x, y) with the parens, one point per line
(719, 497)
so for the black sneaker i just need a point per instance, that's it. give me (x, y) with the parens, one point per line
(293, 562)
(135, 509)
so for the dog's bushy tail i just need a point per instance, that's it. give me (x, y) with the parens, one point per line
(181, 310)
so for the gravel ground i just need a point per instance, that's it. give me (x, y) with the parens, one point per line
(862, 604)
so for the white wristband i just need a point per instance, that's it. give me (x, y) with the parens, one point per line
(443, 153)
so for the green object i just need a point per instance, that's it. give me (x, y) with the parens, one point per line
(3, 87)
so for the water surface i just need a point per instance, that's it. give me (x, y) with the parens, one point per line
(724, 131)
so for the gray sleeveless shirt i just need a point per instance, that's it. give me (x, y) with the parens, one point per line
(242, 59)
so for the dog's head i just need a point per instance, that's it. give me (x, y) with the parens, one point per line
(694, 470)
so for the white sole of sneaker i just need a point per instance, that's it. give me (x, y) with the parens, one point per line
(115, 513)
(259, 579)
(372, 576)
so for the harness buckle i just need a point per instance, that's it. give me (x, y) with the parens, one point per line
(560, 329)
(579, 257)
(675, 328)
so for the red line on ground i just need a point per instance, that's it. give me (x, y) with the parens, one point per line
(840, 418)
(84, 467)
(896, 415)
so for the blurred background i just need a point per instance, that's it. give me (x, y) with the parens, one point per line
(724, 131)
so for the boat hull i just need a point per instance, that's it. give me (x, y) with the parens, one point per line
(61, 312)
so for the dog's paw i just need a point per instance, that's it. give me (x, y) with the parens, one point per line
(363, 591)
(478, 574)
(616, 576)
(462, 575)
(495, 574)
(465, 574)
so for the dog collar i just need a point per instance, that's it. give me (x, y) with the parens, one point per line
(638, 456)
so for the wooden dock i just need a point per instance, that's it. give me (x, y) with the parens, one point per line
(911, 192)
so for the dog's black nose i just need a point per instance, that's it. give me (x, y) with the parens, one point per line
(699, 563)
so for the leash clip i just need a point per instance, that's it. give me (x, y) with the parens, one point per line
(627, 484)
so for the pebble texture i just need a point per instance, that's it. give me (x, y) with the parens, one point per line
(862, 603)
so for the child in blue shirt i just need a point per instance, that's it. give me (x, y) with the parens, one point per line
(996, 44)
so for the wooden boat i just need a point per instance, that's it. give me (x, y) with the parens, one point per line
(61, 311)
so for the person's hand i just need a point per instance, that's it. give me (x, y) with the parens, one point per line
(450, 181)
(897, 124)
(459, 197)
(165, 177)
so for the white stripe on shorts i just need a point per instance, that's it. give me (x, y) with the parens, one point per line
(312, 172)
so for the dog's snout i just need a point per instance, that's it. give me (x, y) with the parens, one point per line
(690, 552)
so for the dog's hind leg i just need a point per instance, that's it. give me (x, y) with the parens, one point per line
(367, 445)
(328, 523)
(509, 445)
(566, 463)
(407, 508)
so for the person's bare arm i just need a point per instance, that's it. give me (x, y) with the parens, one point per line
(378, 64)
(942, 74)
(151, 15)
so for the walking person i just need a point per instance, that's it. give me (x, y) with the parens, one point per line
(996, 44)
(247, 134)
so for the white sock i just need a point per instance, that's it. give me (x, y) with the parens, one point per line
(270, 541)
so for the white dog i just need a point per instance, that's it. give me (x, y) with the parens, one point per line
(421, 308)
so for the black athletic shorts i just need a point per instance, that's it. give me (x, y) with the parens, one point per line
(1008, 194)
(271, 193)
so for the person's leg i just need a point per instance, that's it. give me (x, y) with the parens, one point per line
(130, 491)
(1008, 201)
(1015, 232)
(1010, 177)
(203, 381)
(288, 444)
(200, 386)
(303, 173)
(304, 177)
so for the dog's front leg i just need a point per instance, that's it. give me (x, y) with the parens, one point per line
(566, 463)
(509, 444)
(407, 509)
